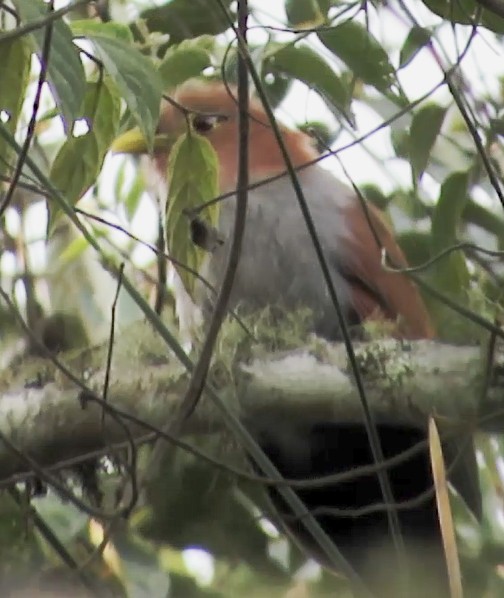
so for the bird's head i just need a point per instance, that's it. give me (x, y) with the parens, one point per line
(212, 111)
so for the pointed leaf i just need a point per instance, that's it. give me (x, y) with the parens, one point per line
(129, 192)
(72, 251)
(416, 246)
(140, 569)
(451, 273)
(193, 175)
(375, 195)
(485, 218)
(409, 202)
(361, 52)
(276, 86)
(65, 73)
(303, 63)
(136, 78)
(185, 60)
(400, 140)
(466, 12)
(304, 14)
(19, 543)
(86, 27)
(65, 520)
(14, 75)
(424, 130)
(322, 135)
(134, 195)
(183, 20)
(497, 126)
(80, 159)
(417, 38)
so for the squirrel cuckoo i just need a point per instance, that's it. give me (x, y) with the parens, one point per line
(278, 266)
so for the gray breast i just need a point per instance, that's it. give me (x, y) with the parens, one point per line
(278, 265)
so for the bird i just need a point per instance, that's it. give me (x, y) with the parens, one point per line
(279, 267)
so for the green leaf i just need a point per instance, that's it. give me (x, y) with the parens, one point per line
(193, 175)
(425, 128)
(400, 140)
(304, 14)
(303, 63)
(276, 86)
(322, 135)
(86, 28)
(18, 541)
(65, 73)
(186, 60)
(409, 202)
(361, 52)
(134, 195)
(14, 74)
(80, 159)
(417, 38)
(467, 528)
(184, 20)
(466, 12)
(416, 246)
(497, 126)
(136, 78)
(140, 570)
(375, 195)
(485, 218)
(129, 193)
(450, 273)
(65, 520)
(72, 251)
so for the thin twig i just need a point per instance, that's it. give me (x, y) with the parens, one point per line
(39, 23)
(111, 337)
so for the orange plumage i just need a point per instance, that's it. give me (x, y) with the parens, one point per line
(372, 291)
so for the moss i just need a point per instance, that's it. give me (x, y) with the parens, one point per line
(453, 327)
(249, 335)
(379, 329)
(386, 363)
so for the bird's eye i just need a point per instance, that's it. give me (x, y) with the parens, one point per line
(204, 123)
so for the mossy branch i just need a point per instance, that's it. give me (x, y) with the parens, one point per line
(49, 419)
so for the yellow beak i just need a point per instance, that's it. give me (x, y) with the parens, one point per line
(133, 142)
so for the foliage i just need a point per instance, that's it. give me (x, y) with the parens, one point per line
(194, 180)
(106, 66)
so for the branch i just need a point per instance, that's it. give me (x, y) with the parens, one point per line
(45, 417)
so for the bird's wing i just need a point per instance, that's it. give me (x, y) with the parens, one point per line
(378, 293)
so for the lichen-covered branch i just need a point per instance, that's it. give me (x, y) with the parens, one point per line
(50, 419)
